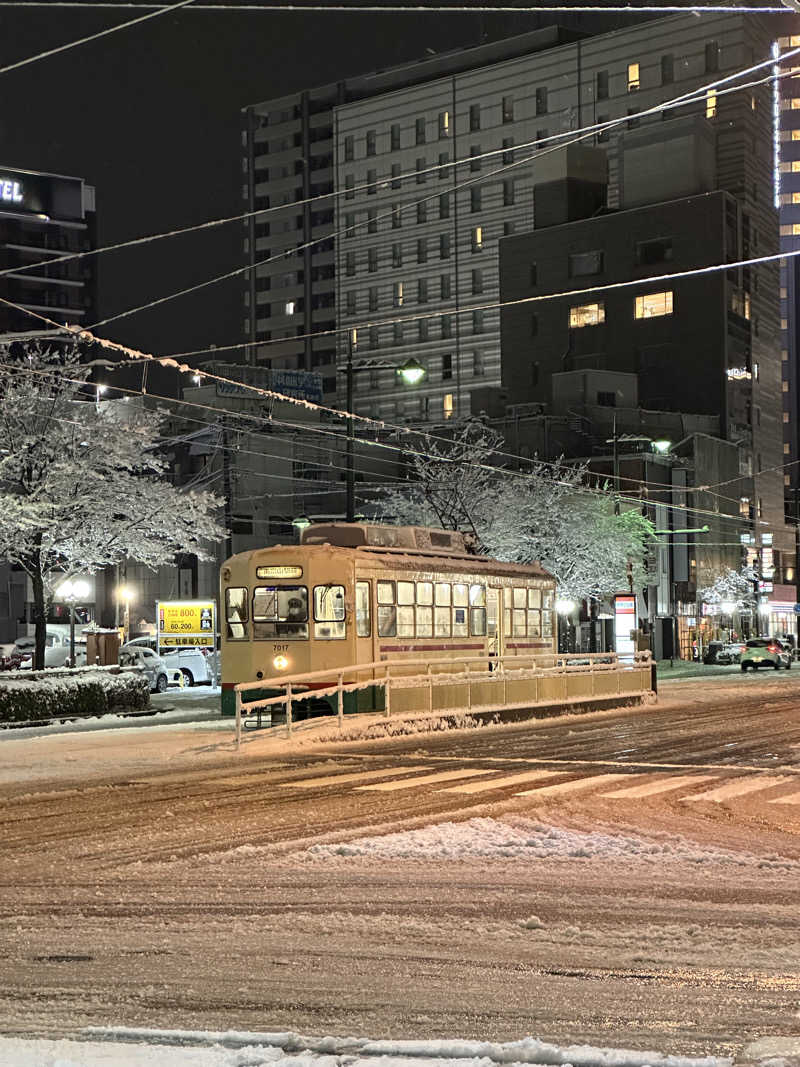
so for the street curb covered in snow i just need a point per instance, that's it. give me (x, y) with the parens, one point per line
(526, 1051)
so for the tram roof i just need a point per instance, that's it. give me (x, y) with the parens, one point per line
(407, 547)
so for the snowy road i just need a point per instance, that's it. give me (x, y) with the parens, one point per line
(618, 879)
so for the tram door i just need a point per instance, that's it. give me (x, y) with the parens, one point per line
(494, 621)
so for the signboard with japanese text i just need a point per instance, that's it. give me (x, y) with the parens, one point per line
(186, 623)
(624, 623)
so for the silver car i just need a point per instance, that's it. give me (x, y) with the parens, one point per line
(157, 672)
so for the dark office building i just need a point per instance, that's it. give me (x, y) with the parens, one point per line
(42, 217)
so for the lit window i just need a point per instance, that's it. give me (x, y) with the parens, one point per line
(398, 294)
(288, 307)
(444, 124)
(796, 135)
(747, 305)
(796, 197)
(794, 167)
(787, 481)
(711, 104)
(785, 449)
(653, 305)
(477, 239)
(586, 315)
(744, 506)
(633, 77)
(784, 355)
(447, 405)
(795, 103)
(786, 416)
(784, 387)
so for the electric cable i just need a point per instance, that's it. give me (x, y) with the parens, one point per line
(694, 95)
(94, 36)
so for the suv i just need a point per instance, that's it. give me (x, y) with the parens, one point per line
(766, 652)
(193, 664)
(156, 670)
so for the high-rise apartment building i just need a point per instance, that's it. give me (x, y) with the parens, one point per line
(42, 217)
(289, 164)
(417, 254)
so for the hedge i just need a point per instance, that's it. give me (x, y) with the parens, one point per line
(75, 695)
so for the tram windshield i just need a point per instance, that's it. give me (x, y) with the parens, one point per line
(280, 611)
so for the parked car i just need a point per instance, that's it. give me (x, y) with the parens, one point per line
(730, 653)
(197, 667)
(766, 652)
(56, 651)
(158, 672)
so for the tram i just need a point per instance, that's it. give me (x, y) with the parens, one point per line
(363, 593)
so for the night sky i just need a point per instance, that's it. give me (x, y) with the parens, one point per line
(151, 117)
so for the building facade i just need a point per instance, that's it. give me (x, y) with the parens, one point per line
(417, 259)
(42, 217)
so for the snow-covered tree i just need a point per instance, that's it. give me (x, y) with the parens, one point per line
(731, 587)
(81, 484)
(546, 512)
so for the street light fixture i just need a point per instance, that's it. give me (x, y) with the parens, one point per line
(72, 590)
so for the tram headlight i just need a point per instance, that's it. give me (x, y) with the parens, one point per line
(280, 663)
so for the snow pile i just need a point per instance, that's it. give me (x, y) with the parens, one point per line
(177, 1048)
(521, 838)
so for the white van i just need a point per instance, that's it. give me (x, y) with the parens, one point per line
(194, 665)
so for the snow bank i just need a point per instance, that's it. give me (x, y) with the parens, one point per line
(112, 1047)
(521, 838)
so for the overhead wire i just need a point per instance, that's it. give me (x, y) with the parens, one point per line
(496, 470)
(162, 10)
(564, 139)
(422, 9)
(572, 137)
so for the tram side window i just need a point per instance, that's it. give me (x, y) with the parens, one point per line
(441, 613)
(236, 613)
(547, 613)
(424, 610)
(329, 624)
(363, 628)
(518, 622)
(387, 610)
(405, 609)
(460, 605)
(477, 610)
(534, 614)
(280, 611)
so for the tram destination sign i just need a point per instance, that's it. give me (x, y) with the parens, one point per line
(282, 571)
(186, 622)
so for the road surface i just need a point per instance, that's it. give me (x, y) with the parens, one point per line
(625, 878)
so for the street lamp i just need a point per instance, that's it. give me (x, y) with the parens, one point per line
(410, 373)
(72, 590)
(302, 522)
(564, 608)
(126, 594)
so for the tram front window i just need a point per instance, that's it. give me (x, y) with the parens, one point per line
(280, 611)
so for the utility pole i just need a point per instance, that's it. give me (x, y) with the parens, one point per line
(350, 503)
(226, 488)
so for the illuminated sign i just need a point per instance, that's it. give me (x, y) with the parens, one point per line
(10, 192)
(193, 640)
(738, 374)
(186, 622)
(624, 623)
(279, 572)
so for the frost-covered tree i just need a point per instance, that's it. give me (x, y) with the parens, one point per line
(82, 484)
(545, 513)
(731, 587)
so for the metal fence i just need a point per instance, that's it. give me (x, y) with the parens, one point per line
(470, 684)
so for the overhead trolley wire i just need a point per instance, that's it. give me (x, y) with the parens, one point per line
(423, 9)
(572, 138)
(93, 36)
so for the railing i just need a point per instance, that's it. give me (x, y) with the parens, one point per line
(482, 684)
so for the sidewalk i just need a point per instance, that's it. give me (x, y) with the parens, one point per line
(682, 668)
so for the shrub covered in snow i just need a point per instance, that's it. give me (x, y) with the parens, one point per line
(90, 692)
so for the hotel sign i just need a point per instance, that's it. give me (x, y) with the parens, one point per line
(10, 191)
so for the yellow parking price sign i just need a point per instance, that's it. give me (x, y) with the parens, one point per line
(187, 640)
(187, 622)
